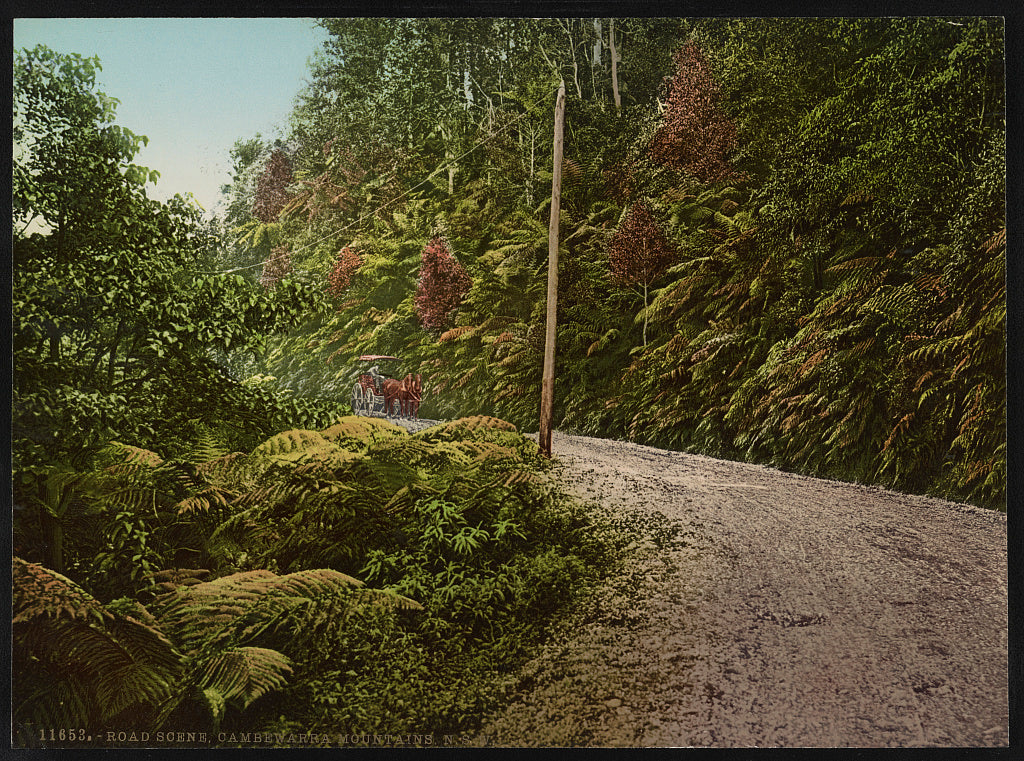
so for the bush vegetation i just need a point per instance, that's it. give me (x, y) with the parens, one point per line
(781, 240)
(357, 579)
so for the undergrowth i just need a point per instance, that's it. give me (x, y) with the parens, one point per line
(353, 580)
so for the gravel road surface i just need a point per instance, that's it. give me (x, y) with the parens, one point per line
(414, 425)
(760, 608)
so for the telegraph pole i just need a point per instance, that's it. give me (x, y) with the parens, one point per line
(547, 394)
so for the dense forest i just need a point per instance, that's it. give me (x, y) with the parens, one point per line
(781, 240)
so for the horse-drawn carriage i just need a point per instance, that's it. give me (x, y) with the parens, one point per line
(376, 394)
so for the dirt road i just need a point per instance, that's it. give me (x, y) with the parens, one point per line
(761, 608)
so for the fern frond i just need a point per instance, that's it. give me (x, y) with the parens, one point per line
(242, 607)
(230, 472)
(482, 451)
(456, 333)
(521, 476)
(207, 446)
(205, 501)
(356, 433)
(502, 337)
(245, 673)
(40, 592)
(456, 429)
(168, 580)
(113, 660)
(290, 445)
(131, 454)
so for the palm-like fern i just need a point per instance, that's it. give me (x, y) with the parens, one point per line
(315, 498)
(242, 633)
(223, 642)
(77, 662)
(712, 319)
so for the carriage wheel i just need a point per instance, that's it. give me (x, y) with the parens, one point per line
(357, 399)
(396, 408)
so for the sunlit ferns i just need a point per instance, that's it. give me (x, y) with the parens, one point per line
(314, 501)
(303, 498)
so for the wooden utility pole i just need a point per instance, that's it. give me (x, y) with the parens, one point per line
(547, 393)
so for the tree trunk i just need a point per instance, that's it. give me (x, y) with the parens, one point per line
(615, 65)
(449, 154)
(595, 63)
(548, 384)
(575, 62)
(54, 533)
(645, 315)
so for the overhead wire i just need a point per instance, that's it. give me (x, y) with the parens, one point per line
(439, 168)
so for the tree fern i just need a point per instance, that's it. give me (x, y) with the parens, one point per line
(241, 634)
(77, 662)
(255, 606)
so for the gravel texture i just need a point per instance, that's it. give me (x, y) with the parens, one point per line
(411, 425)
(755, 607)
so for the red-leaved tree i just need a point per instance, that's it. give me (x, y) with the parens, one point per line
(272, 188)
(277, 266)
(639, 252)
(696, 135)
(443, 282)
(345, 266)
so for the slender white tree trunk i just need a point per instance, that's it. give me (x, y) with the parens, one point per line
(615, 65)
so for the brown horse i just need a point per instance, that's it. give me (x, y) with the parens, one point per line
(407, 392)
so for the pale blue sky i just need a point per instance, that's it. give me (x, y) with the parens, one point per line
(193, 86)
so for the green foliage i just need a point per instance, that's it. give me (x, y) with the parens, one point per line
(838, 307)
(796, 324)
(78, 663)
(115, 326)
(469, 543)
